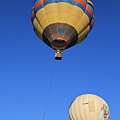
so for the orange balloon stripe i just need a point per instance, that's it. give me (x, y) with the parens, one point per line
(81, 2)
(38, 4)
(90, 11)
(92, 22)
(32, 15)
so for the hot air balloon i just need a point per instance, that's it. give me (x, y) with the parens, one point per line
(89, 107)
(62, 24)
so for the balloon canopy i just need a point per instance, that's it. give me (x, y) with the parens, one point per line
(89, 107)
(62, 24)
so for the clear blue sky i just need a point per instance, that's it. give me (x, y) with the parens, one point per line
(26, 65)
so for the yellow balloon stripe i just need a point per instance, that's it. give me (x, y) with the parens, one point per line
(83, 35)
(38, 28)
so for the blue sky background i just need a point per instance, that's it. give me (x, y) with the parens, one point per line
(26, 65)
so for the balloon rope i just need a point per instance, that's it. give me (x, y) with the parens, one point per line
(51, 82)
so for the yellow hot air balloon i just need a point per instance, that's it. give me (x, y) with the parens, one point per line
(62, 24)
(89, 107)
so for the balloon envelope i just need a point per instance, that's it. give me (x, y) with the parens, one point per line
(62, 23)
(89, 107)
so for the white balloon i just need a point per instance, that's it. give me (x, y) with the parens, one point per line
(89, 107)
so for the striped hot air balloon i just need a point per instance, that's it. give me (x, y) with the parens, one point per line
(62, 24)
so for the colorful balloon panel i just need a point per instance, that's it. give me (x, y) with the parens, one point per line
(62, 23)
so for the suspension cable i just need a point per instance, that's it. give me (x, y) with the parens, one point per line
(49, 93)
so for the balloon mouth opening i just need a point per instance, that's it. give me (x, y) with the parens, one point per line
(59, 43)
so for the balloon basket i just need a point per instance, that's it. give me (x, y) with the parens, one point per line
(58, 55)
